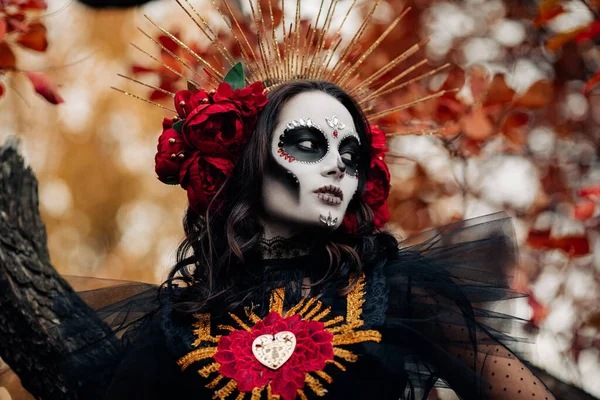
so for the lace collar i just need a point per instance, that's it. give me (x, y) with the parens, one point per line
(284, 248)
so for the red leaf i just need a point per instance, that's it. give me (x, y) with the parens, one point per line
(170, 62)
(590, 192)
(590, 33)
(45, 87)
(455, 80)
(477, 125)
(35, 38)
(277, 13)
(7, 57)
(513, 127)
(479, 79)
(156, 95)
(592, 82)
(2, 29)
(573, 245)
(584, 210)
(558, 41)
(470, 147)
(138, 69)
(165, 85)
(169, 43)
(498, 92)
(447, 109)
(548, 13)
(16, 23)
(538, 95)
(539, 311)
(35, 5)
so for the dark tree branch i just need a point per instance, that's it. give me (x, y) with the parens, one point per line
(34, 299)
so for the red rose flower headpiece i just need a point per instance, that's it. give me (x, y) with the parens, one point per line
(199, 147)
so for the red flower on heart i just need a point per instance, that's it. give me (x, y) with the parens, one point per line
(313, 349)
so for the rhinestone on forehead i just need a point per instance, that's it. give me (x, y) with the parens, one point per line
(335, 124)
(308, 123)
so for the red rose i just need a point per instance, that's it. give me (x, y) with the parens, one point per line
(206, 144)
(376, 194)
(313, 349)
(350, 223)
(167, 162)
(190, 100)
(378, 143)
(250, 100)
(202, 176)
(378, 184)
(381, 215)
(215, 129)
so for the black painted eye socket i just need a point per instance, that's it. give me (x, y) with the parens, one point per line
(349, 149)
(306, 144)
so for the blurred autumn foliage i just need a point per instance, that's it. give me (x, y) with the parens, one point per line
(21, 27)
(520, 132)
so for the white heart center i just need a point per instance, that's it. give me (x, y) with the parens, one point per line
(273, 351)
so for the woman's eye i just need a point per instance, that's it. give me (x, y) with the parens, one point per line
(306, 145)
(348, 157)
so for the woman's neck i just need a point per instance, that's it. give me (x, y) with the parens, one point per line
(284, 239)
(277, 229)
(281, 247)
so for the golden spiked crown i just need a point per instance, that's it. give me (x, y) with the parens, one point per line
(277, 54)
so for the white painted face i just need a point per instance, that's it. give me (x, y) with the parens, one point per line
(316, 144)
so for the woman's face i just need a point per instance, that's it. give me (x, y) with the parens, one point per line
(315, 174)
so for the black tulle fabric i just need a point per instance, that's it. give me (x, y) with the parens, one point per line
(435, 301)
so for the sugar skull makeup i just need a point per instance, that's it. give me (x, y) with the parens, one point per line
(315, 143)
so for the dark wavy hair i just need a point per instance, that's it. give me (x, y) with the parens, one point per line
(214, 269)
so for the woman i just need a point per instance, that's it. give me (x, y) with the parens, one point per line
(284, 288)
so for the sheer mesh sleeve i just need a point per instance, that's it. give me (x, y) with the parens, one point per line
(96, 347)
(445, 287)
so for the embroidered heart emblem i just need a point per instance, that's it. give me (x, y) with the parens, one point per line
(273, 351)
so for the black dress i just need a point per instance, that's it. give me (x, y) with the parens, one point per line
(422, 315)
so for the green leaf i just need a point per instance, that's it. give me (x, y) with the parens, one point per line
(177, 125)
(235, 77)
